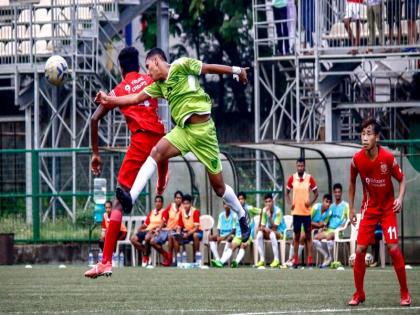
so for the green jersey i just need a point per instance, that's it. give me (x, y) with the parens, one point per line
(182, 90)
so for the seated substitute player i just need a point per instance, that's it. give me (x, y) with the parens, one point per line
(339, 216)
(105, 223)
(189, 225)
(272, 228)
(237, 240)
(376, 167)
(226, 229)
(174, 210)
(194, 132)
(146, 130)
(153, 233)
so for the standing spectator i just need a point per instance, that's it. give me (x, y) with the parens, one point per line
(374, 16)
(393, 15)
(291, 24)
(411, 7)
(353, 12)
(280, 17)
(308, 21)
(272, 227)
(226, 227)
(174, 210)
(301, 183)
(189, 224)
(105, 223)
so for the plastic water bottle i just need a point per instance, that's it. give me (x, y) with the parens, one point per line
(178, 260)
(121, 260)
(90, 259)
(100, 256)
(184, 256)
(114, 260)
(198, 259)
(99, 190)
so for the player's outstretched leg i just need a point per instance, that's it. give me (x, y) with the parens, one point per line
(359, 271)
(399, 267)
(228, 195)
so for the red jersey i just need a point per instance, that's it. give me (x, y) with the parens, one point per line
(378, 191)
(143, 116)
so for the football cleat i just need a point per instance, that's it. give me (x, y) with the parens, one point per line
(275, 263)
(245, 229)
(124, 198)
(405, 299)
(357, 299)
(99, 270)
(234, 264)
(216, 263)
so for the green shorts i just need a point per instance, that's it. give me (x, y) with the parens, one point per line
(201, 140)
(237, 240)
(329, 231)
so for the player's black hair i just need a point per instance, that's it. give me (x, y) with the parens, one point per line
(241, 193)
(328, 197)
(156, 52)
(268, 196)
(187, 197)
(337, 186)
(108, 201)
(159, 197)
(375, 125)
(178, 192)
(300, 160)
(129, 60)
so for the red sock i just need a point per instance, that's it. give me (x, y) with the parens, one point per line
(296, 260)
(359, 270)
(309, 260)
(112, 235)
(399, 266)
(162, 168)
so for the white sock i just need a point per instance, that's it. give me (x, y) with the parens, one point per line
(291, 252)
(330, 245)
(260, 244)
(300, 250)
(274, 245)
(213, 247)
(240, 255)
(226, 255)
(318, 246)
(232, 201)
(146, 171)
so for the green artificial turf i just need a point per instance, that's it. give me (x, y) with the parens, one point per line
(49, 290)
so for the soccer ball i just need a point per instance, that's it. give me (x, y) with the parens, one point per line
(56, 70)
(352, 258)
(368, 259)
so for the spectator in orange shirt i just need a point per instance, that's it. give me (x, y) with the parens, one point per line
(189, 224)
(152, 232)
(301, 183)
(174, 209)
(105, 222)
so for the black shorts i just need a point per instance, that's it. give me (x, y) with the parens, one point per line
(298, 220)
(411, 7)
(142, 235)
(393, 12)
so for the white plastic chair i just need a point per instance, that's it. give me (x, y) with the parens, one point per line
(289, 227)
(254, 245)
(6, 32)
(126, 220)
(42, 16)
(25, 16)
(46, 31)
(136, 222)
(2, 49)
(9, 49)
(35, 30)
(24, 48)
(206, 225)
(339, 239)
(21, 32)
(63, 30)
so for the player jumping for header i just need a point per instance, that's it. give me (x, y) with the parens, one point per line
(376, 167)
(194, 132)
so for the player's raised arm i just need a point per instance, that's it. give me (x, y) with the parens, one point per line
(222, 69)
(117, 101)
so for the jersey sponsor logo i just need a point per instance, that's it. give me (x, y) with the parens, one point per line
(375, 182)
(139, 86)
(127, 88)
(384, 169)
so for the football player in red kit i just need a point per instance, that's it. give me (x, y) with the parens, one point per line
(376, 166)
(146, 130)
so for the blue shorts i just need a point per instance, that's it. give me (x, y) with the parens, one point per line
(191, 238)
(411, 7)
(161, 238)
(142, 235)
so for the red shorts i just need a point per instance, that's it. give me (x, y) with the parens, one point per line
(141, 143)
(388, 221)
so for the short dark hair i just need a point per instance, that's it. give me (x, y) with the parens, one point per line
(108, 201)
(337, 186)
(300, 160)
(129, 60)
(241, 193)
(178, 192)
(371, 121)
(156, 52)
(328, 197)
(159, 197)
(187, 197)
(268, 196)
